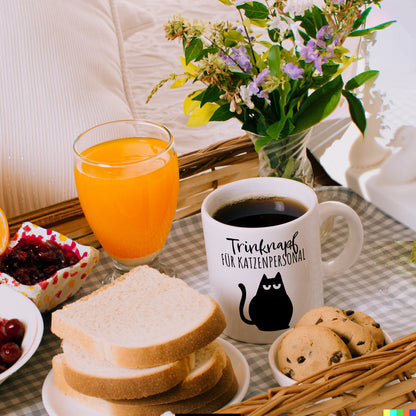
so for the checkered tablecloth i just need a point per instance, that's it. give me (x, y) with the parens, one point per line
(382, 283)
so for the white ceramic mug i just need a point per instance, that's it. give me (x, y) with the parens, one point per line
(266, 278)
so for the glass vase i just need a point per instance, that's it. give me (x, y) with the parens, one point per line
(286, 157)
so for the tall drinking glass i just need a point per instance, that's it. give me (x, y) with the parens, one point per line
(127, 178)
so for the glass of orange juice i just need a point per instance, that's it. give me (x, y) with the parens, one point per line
(127, 178)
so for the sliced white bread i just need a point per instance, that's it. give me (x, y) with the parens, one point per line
(213, 399)
(96, 377)
(142, 319)
(99, 378)
(210, 362)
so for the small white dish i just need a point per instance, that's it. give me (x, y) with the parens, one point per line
(65, 282)
(241, 370)
(15, 305)
(281, 378)
(57, 403)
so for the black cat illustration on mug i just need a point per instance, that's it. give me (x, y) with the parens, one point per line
(270, 309)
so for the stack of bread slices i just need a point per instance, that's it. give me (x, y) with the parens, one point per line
(143, 345)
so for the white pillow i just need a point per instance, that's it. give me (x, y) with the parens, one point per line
(62, 71)
(133, 17)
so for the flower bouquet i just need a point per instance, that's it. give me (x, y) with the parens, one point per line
(278, 69)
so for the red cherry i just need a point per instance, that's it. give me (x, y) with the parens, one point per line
(10, 352)
(3, 366)
(13, 330)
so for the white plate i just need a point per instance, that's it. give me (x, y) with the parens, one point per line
(241, 369)
(57, 403)
(15, 305)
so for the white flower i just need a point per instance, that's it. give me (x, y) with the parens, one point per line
(297, 7)
(294, 27)
(288, 44)
(284, 25)
(245, 94)
(319, 3)
(278, 23)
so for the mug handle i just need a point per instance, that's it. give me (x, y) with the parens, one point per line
(355, 239)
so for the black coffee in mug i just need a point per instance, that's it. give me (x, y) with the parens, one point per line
(260, 212)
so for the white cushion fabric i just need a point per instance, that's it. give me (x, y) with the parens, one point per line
(151, 58)
(133, 17)
(62, 70)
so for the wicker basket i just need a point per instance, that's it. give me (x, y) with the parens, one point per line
(363, 386)
(204, 170)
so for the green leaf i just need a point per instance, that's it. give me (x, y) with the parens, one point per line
(222, 113)
(304, 35)
(275, 103)
(309, 26)
(227, 2)
(273, 59)
(255, 10)
(319, 105)
(205, 52)
(364, 32)
(274, 35)
(258, 22)
(330, 69)
(193, 50)
(234, 35)
(210, 94)
(360, 79)
(274, 130)
(289, 127)
(319, 17)
(356, 111)
(261, 142)
(361, 19)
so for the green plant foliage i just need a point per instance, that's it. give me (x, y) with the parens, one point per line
(277, 68)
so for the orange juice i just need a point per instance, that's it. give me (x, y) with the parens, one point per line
(128, 193)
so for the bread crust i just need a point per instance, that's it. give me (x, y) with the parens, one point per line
(194, 385)
(162, 379)
(209, 401)
(165, 384)
(151, 355)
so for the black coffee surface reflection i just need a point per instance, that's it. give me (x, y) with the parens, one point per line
(260, 212)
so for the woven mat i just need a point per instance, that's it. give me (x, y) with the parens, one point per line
(382, 283)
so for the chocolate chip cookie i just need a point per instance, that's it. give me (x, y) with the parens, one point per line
(368, 322)
(307, 349)
(358, 338)
(321, 315)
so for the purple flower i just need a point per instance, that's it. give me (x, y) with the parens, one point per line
(309, 52)
(254, 86)
(292, 70)
(325, 32)
(240, 57)
(319, 61)
(261, 78)
(226, 58)
(338, 1)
